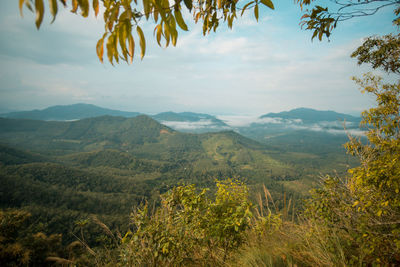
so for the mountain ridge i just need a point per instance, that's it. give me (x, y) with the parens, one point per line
(68, 112)
(309, 115)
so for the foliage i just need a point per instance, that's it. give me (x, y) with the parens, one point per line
(122, 18)
(322, 21)
(380, 52)
(363, 210)
(20, 246)
(189, 227)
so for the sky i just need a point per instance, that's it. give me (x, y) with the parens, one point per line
(255, 68)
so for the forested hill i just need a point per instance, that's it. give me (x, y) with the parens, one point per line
(68, 112)
(63, 172)
(101, 132)
(309, 115)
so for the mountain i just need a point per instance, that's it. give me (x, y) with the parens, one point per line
(308, 115)
(66, 171)
(191, 122)
(68, 112)
(304, 130)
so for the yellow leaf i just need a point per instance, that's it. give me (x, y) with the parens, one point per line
(74, 6)
(110, 48)
(379, 213)
(158, 34)
(180, 21)
(256, 12)
(166, 34)
(268, 3)
(142, 42)
(246, 6)
(131, 47)
(174, 38)
(100, 49)
(39, 8)
(146, 8)
(53, 9)
(84, 5)
(96, 7)
(155, 15)
(122, 35)
(21, 6)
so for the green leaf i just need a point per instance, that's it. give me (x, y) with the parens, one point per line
(142, 42)
(188, 4)
(39, 9)
(180, 21)
(268, 3)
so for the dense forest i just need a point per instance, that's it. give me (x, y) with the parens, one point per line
(63, 173)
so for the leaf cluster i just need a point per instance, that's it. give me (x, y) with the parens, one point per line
(322, 21)
(122, 18)
(381, 52)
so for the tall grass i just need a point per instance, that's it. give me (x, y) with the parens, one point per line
(278, 239)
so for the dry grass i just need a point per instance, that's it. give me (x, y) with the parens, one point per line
(284, 242)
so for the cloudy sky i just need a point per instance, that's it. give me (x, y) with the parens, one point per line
(256, 68)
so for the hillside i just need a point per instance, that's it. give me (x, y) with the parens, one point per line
(308, 115)
(191, 122)
(63, 172)
(68, 112)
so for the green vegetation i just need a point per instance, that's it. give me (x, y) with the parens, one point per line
(81, 179)
(68, 112)
(105, 166)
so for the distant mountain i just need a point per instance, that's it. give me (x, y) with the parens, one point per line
(68, 112)
(308, 115)
(191, 122)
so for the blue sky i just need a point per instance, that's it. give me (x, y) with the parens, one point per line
(253, 69)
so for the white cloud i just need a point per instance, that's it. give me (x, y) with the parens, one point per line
(322, 128)
(190, 125)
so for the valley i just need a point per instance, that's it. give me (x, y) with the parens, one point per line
(65, 171)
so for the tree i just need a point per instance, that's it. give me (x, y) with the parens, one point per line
(363, 209)
(322, 21)
(122, 17)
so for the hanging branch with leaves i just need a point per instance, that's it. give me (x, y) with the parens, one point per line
(123, 17)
